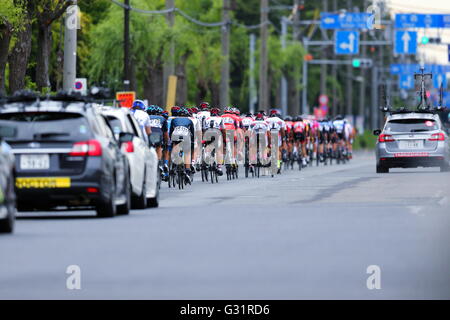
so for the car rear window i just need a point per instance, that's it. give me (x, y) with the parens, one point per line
(115, 124)
(58, 126)
(411, 125)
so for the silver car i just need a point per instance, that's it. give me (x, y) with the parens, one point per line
(411, 140)
(7, 194)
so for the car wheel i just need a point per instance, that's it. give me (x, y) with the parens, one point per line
(107, 208)
(124, 209)
(382, 169)
(154, 202)
(140, 202)
(7, 224)
(445, 168)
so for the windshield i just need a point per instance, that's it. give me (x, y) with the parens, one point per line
(411, 125)
(47, 126)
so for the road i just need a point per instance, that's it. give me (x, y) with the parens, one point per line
(301, 235)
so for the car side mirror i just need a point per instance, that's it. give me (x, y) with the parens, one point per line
(125, 137)
(7, 131)
(376, 132)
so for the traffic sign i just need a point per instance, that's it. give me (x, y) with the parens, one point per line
(406, 81)
(439, 79)
(448, 52)
(405, 42)
(80, 85)
(346, 42)
(126, 99)
(323, 100)
(356, 20)
(413, 20)
(414, 67)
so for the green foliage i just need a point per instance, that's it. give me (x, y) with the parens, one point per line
(365, 141)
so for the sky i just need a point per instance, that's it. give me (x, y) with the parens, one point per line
(433, 53)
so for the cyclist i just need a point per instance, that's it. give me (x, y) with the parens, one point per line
(260, 128)
(231, 122)
(182, 126)
(275, 122)
(196, 146)
(215, 121)
(339, 124)
(203, 113)
(139, 111)
(159, 137)
(289, 138)
(299, 129)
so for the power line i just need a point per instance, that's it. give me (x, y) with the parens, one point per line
(191, 19)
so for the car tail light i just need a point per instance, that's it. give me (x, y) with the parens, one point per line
(385, 138)
(86, 148)
(437, 137)
(92, 190)
(128, 147)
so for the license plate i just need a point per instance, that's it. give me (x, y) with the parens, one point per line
(34, 161)
(411, 144)
(42, 183)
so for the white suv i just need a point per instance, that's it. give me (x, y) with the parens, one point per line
(143, 160)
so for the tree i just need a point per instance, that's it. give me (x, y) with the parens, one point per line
(10, 23)
(47, 11)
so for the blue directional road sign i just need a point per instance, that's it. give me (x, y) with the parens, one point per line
(413, 20)
(346, 21)
(439, 79)
(406, 81)
(414, 67)
(405, 42)
(346, 42)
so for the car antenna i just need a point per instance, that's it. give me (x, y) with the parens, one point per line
(441, 97)
(385, 107)
(423, 104)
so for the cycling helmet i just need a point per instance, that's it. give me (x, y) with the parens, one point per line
(249, 114)
(165, 114)
(139, 104)
(204, 106)
(288, 118)
(274, 113)
(193, 110)
(175, 111)
(215, 111)
(262, 112)
(339, 117)
(184, 112)
(259, 116)
(298, 119)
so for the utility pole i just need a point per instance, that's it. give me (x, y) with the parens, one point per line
(252, 85)
(334, 75)
(295, 108)
(70, 47)
(305, 80)
(284, 103)
(362, 89)
(264, 60)
(169, 68)
(126, 47)
(225, 73)
(323, 67)
(349, 79)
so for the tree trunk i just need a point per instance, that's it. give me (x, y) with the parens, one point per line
(5, 38)
(18, 59)
(293, 96)
(182, 85)
(153, 84)
(43, 56)
(214, 88)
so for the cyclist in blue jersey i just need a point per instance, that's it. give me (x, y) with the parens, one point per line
(182, 126)
(159, 137)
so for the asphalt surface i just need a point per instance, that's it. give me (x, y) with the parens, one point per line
(302, 235)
